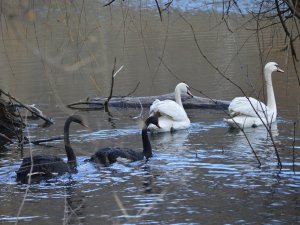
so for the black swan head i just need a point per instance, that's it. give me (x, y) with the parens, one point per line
(152, 120)
(76, 119)
(69, 150)
(109, 155)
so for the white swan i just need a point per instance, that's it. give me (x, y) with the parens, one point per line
(171, 115)
(249, 112)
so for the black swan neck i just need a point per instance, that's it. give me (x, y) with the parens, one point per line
(69, 150)
(147, 150)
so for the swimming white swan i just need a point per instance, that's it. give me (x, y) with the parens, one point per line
(249, 112)
(171, 115)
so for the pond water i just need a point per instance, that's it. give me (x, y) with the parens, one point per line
(56, 53)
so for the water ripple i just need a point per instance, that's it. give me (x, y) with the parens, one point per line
(105, 134)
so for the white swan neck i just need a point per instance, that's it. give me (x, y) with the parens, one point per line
(271, 102)
(178, 96)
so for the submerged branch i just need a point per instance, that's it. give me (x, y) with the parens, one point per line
(31, 109)
(133, 102)
(37, 142)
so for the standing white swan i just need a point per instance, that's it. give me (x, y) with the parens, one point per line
(249, 112)
(171, 115)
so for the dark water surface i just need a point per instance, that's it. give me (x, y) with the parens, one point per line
(53, 54)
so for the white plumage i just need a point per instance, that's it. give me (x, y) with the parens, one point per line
(248, 106)
(171, 114)
(249, 112)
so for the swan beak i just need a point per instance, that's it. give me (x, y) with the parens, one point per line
(84, 125)
(190, 93)
(158, 125)
(280, 70)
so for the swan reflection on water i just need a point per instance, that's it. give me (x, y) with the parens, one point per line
(171, 140)
(150, 180)
(256, 135)
(259, 139)
(74, 205)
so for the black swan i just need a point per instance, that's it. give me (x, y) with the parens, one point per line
(110, 155)
(47, 166)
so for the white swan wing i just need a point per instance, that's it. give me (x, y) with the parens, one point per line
(168, 108)
(247, 107)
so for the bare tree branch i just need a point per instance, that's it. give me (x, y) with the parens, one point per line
(109, 3)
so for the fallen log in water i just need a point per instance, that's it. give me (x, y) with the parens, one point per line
(138, 102)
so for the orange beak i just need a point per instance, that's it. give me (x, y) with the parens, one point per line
(189, 93)
(84, 125)
(280, 70)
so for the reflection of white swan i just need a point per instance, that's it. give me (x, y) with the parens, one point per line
(249, 112)
(256, 137)
(172, 141)
(260, 141)
(172, 115)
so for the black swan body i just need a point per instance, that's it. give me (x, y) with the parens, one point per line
(110, 155)
(47, 166)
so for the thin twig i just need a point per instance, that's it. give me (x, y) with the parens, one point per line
(28, 184)
(120, 204)
(109, 3)
(159, 10)
(111, 86)
(286, 31)
(141, 113)
(293, 144)
(163, 48)
(136, 87)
